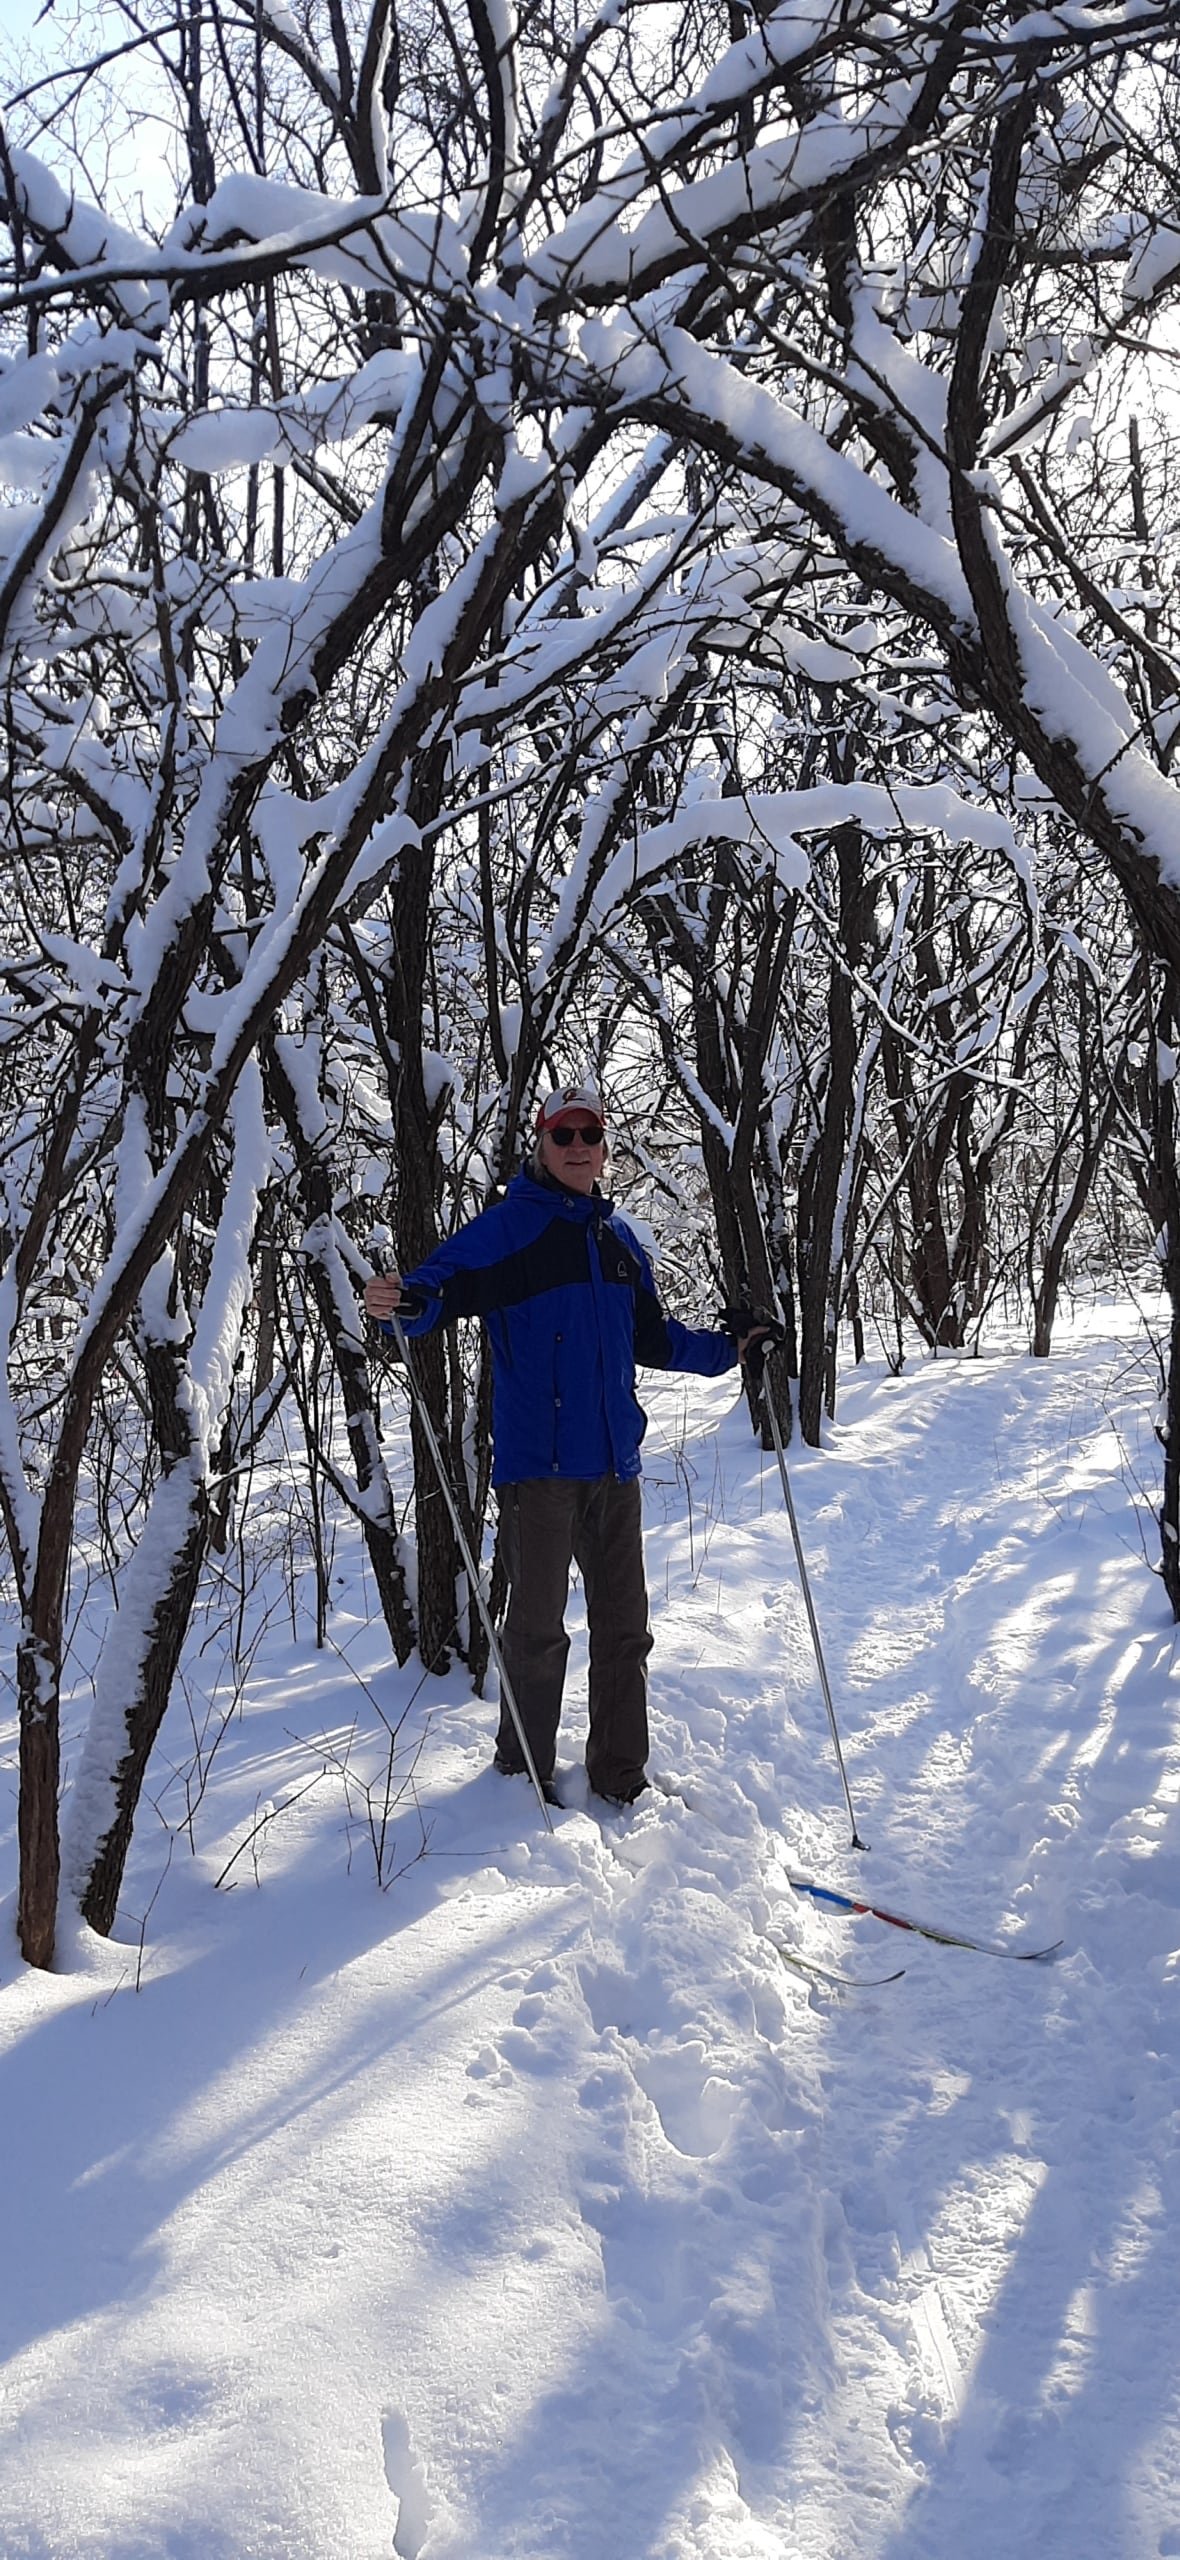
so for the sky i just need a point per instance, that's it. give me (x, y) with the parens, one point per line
(20, 17)
(121, 151)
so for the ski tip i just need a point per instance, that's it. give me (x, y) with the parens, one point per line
(824, 1978)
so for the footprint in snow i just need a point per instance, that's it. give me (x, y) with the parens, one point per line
(696, 2110)
(536, 2040)
(407, 2480)
(633, 2002)
(488, 2070)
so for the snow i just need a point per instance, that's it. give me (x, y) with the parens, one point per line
(90, 976)
(280, 17)
(1073, 697)
(27, 385)
(1039, 25)
(764, 823)
(1153, 265)
(533, 2208)
(781, 38)
(1076, 699)
(668, 363)
(217, 1336)
(383, 849)
(134, 1190)
(283, 663)
(1025, 421)
(27, 462)
(92, 1804)
(382, 246)
(88, 236)
(593, 253)
(229, 439)
(22, 1510)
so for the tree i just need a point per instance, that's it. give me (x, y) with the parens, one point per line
(396, 509)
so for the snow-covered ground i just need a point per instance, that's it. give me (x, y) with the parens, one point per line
(532, 2206)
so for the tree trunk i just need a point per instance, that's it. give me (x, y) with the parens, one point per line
(336, 1307)
(150, 1687)
(1169, 1182)
(819, 1188)
(37, 1678)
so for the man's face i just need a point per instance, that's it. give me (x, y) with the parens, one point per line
(577, 1162)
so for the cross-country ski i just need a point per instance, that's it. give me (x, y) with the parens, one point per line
(833, 1899)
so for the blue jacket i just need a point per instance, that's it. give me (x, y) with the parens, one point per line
(566, 1292)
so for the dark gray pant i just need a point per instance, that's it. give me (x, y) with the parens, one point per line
(545, 1524)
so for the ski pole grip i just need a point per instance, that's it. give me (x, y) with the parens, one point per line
(738, 1322)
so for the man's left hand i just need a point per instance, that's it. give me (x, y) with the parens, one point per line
(748, 1328)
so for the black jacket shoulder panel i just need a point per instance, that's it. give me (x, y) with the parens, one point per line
(553, 1260)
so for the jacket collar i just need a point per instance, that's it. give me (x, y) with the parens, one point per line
(533, 1186)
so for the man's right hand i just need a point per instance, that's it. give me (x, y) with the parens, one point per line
(383, 1296)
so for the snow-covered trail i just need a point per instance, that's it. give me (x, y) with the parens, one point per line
(534, 2209)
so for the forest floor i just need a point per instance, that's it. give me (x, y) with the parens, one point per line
(437, 2187)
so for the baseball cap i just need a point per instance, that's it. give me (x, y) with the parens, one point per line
(569, 1097)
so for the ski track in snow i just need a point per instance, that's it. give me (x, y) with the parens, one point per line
(533, 2208)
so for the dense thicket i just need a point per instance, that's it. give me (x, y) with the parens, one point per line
(637, 541)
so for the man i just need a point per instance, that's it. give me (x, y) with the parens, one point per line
(566, 1292)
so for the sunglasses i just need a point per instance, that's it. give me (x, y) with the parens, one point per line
(564, 1136)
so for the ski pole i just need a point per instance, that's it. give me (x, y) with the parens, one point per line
(475, 1583)
(759, 1365)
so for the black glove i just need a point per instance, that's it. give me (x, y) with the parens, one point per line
(737, 1322)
